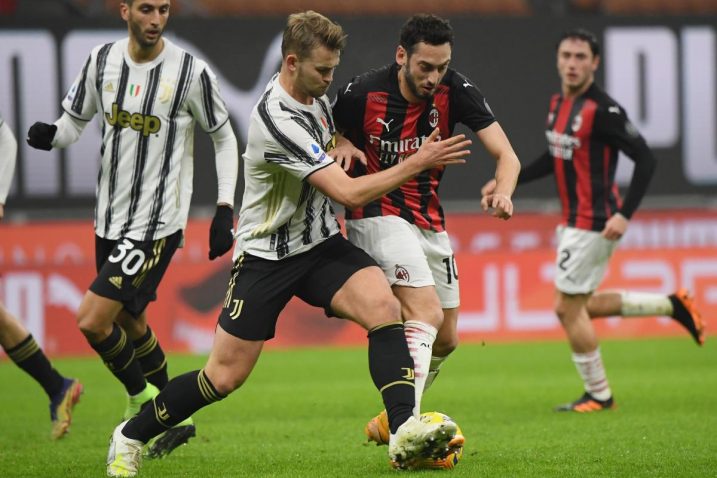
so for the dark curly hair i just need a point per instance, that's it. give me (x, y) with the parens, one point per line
(581, 34)
(427, 28)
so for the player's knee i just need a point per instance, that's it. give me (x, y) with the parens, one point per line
(94, 329)
(226, 382)
(381, 309)
(431, 315)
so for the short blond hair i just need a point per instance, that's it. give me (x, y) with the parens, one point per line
(307, 30)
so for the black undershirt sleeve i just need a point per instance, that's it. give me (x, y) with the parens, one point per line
(617, 130)
(540, 167)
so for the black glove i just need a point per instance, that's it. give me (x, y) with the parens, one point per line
(220, 232)
(40, 135)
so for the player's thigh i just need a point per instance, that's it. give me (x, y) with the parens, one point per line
(346, 282)
(133, 270)
(366, 299)
(396, 246)
(257, 292)
(231, 360)
(439, 255)
(581, 260)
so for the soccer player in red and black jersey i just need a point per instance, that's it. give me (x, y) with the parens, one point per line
(585, 131)
(389, 113)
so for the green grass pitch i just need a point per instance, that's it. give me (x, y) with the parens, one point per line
(302, 412)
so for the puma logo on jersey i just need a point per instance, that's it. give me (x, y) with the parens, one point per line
(145, 124)
(614, 109)
(348, 88)
(467, 85)
(116, 281)
(386, 125)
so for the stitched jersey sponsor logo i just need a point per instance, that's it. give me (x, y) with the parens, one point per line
(145, 124)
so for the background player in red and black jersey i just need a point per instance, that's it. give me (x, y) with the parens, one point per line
(585, 131)
(389, 113)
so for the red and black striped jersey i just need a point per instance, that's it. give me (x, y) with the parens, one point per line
(584, 137)
(371, 112)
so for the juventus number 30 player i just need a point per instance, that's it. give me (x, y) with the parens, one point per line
(147, 93)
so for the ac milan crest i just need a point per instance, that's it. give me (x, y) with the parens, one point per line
(433, 117)
(402, 274)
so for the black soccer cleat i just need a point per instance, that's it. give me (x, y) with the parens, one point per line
(586, 404)
(685, 312)
(170, 440)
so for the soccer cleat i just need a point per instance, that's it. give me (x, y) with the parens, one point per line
(124, 455)
(165, 443)
(586, 404)
(61, 407)
(416, 440)
(135, 402)
(448, 461)
(377, 430)
(685, 312)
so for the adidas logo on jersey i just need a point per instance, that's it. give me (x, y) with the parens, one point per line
(116, 281)
(109, 87)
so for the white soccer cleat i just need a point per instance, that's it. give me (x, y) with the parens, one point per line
(416, 440)
(124, 455)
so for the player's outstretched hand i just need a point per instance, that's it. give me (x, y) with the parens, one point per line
(345, 153)
(221, 237)
(40, 135)
(436, 152)
(501, 204)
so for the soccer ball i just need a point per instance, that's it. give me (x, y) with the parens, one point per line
(450, 460)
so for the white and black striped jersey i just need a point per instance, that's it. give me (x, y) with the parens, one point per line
(281, 213)
(148, 113)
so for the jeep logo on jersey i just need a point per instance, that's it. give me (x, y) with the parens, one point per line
(145, 124)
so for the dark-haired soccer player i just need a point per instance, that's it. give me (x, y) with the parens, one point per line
(585, 131)
(18, 343)
(148, 94)
(289, 244)
(388, 113)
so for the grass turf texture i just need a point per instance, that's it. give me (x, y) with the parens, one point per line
(302, 412)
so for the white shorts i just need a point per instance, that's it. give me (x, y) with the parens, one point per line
(582, 260)
(409, 256)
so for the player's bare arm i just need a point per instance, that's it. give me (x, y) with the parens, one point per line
(344, 153)
(356, 192)
(497, 193)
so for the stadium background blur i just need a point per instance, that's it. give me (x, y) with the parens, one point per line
(659, 62)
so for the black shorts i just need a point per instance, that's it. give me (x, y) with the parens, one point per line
(260, 288)
(129, 271)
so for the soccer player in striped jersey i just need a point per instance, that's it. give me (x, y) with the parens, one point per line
(17, 342)
(585, 130)
(388, 113)
(148, 94)
(289, 244)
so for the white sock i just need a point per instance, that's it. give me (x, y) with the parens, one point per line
(645, 304)
(420, 337)
(592, 372)
(433, 370)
